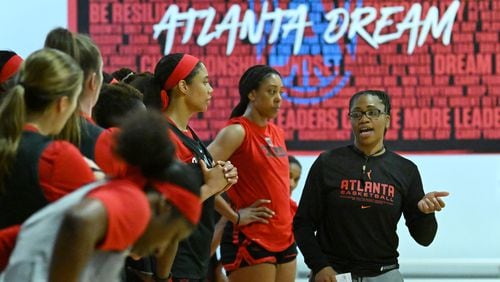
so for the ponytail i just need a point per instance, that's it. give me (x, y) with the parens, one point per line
(240, 108)
(152, 97)
(71, 131)
(12, 117)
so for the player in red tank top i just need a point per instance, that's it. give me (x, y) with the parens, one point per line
(258, 252)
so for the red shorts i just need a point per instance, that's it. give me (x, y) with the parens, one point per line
(238, 251)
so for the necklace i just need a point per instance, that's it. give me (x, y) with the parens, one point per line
(371, 155)
(376, 153)
(368, 156)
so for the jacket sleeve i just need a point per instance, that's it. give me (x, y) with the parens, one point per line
(308, 218)
(422, 227)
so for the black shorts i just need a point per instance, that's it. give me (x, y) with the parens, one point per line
(238, 251)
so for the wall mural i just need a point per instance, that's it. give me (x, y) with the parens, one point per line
(438, 60)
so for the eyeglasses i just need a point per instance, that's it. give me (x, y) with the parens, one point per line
(371, 114)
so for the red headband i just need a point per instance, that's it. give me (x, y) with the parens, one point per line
(185, 201)
(181, 71)
(10, 68)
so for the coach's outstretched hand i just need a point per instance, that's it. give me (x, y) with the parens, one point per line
(432, 202)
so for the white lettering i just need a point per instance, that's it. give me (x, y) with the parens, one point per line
(444, 27)
(333, 18)
(411, 22)
(204, 37)
(294, 21)
(230, 23)
(358, 23)
(298, 22)
(383, 22)
(169, 23)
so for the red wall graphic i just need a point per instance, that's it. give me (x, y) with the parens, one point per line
(438, 60)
